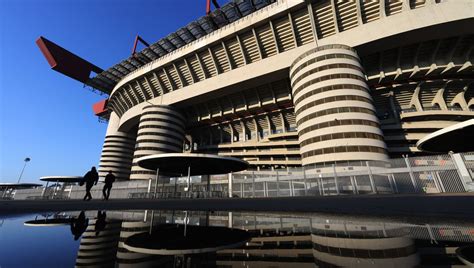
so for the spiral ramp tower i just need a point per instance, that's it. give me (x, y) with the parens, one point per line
(117, 151)
(99, 248)
(161, 130)
(334, 110)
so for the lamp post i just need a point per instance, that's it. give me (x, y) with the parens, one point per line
(21, 174)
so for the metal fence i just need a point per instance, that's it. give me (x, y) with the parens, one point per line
(447, 173)
(340, 226)
(426, 174)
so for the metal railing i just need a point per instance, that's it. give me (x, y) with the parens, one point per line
(179, 195)
(447, 173)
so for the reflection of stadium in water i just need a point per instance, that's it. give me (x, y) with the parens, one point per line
(281, 241)
(126, 258)
(362, 246)
(98, 246)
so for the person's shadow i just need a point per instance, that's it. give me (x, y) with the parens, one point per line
(79, 225)
(100, 222)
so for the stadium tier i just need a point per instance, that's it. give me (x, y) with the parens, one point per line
(288, 83)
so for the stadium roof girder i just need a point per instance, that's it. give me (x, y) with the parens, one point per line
(186, 35)
(106, 78)
(119, 69)
(159, 50)
(112, 76)
(150, 53)
(228, 13)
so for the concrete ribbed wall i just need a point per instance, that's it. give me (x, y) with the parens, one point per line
(161, 130)
(365, 252)
(335, 113)
(99, 249)
(117, 152)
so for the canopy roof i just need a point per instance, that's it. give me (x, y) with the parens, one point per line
(200, 164)
(457, 138)
(69, 179)
(48, 222)
(230, 12)
(19, 185)
(169, 239)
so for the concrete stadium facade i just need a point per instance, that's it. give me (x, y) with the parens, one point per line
(301, 83)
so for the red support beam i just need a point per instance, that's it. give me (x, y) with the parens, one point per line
(208, 5)
(65, 62)
(138, 38)
(100, 108)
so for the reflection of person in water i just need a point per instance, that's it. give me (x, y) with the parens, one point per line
(100, 222)
(79, 225)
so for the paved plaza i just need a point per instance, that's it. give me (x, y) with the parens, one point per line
(456, 206)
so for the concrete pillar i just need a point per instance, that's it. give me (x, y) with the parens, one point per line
(117, 151)
(334, 110)
(161, 130)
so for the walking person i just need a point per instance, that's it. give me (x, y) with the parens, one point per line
(90, 179)
(109, 180)
(100, 222)
(79, 225)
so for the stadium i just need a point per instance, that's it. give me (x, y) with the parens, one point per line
(287, 84)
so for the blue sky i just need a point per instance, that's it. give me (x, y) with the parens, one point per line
(47, 116)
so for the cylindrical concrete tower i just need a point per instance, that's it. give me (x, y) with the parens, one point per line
(99, 242)
(360, 251)
(334, 111)
(161, 130)
(117, 152)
